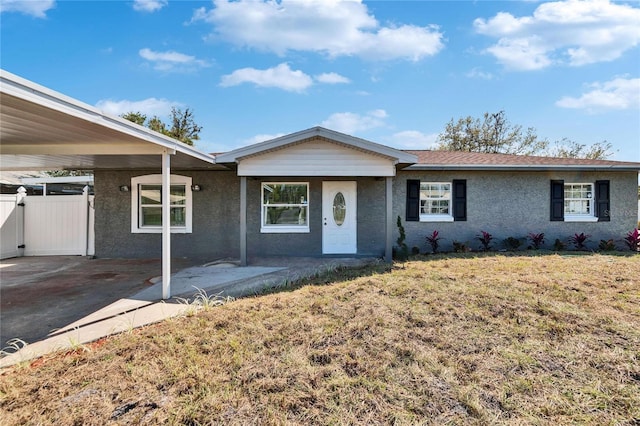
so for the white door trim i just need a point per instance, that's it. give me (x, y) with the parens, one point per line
(339, 236)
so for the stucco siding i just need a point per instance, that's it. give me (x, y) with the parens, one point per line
(506, 204)
(216, 220)
(371, 225)
(513, 204)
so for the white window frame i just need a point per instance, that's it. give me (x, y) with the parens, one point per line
(438, 217)
(283, 229)
(157, 180)
(581, 217)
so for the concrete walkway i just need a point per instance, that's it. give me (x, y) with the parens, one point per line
(223, 279)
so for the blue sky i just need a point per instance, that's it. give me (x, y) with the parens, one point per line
(392, 72)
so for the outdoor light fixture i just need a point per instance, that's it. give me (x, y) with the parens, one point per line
(124, 188)
(196, 188)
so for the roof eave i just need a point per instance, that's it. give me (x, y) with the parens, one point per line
(240, 153)
(29, 91)
(528, 167)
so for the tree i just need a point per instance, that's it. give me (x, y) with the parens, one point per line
(567, 148)
(65, 173)
(157, 125)
(183, 126)
(495, 134)
(136, 117)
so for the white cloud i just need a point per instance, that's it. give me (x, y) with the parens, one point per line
(171, 61)
(260, 138)
(352, 123)
(150, 106)
(331, 78)
(564, 32)
(478, 73)
(280, 76)
(331, 27)
(619, 93)
(148, 5)
(413, 139)
(36, 8)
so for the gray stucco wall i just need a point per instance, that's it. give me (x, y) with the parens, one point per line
(371, 220)
(216, 222)
(513, 204)
(216, 219)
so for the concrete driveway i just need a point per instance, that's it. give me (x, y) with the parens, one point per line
(41, 294)
(60, 301)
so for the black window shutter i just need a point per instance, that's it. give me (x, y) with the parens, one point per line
(603, 204)
(459, 200)
(413, 200)
(557, 200)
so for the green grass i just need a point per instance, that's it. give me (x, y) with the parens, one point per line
(458, 339)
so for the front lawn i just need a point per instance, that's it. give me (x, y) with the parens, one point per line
(458, 339)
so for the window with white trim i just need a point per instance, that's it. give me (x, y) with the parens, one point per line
(285, 207)
(146, 204)
(435, 202)
(578, 201)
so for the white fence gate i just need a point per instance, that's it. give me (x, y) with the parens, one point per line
(47, 226)
(10, 226)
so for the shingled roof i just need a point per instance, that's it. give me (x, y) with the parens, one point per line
(439, 160)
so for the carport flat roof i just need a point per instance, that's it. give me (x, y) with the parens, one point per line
(41, 129)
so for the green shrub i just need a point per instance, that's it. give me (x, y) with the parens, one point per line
(459, 247)
(401, 251)
(512, 243)
(607, 245)
(558, 245)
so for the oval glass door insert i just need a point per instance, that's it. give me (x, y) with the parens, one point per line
(339, 209)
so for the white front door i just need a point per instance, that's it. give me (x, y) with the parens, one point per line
(339, 218)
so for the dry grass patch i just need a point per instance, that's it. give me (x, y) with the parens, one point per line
(464, 340)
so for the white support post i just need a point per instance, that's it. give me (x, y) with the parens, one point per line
(166, 225)
(85, 204)
(243, 221)
(388, 255)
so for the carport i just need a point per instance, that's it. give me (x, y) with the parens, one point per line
(41, 129)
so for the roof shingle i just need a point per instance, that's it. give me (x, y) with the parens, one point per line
(460, 159)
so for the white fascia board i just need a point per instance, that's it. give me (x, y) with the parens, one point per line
(29, 91)
(365, 145)
(536, 167)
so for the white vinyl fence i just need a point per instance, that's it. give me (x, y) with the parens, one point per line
(47, 226)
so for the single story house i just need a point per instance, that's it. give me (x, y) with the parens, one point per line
(316, 192)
